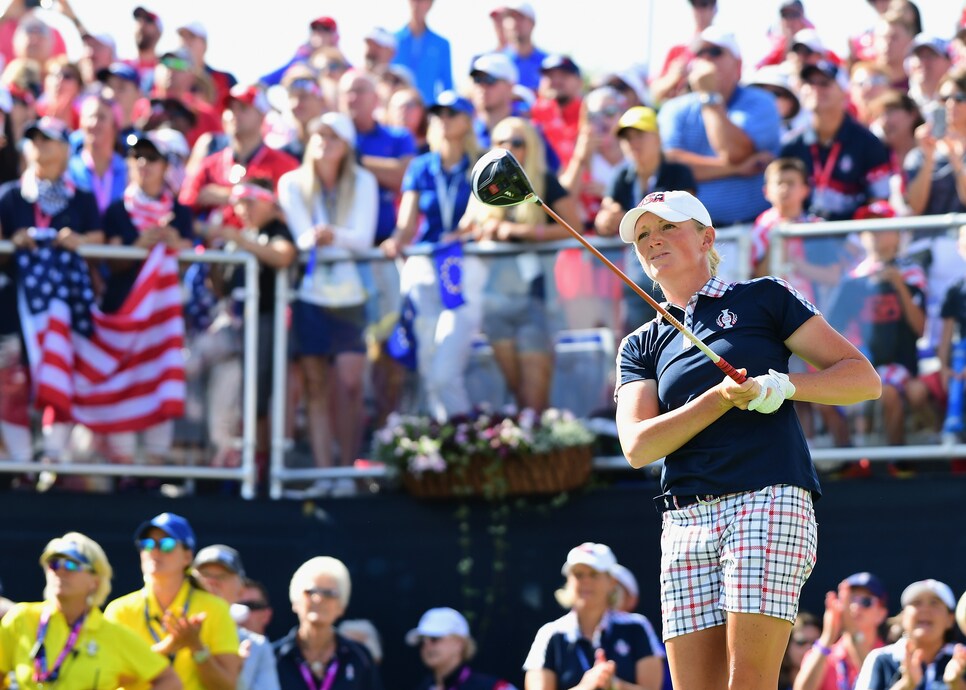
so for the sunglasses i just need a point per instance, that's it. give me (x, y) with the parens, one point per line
(702, 4)
(335, 67)
(865, 601)
(609, 111)
(515, 143)
(164, 544)
(445, 112)
(429, 638)
(803, 641)
(819, 83)
(484, 79)
(954, 97)
(147, 156)
(711, 52)
(67, 564)
(323, 592)
(254, 605)
(791, 14)
(176, 64)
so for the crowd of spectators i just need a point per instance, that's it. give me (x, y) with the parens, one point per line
(320, 160)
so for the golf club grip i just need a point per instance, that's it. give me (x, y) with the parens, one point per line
(735, 375)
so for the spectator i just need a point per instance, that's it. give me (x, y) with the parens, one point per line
(935, 167)
(517, 20)
(672, 81)
(22, 112)
(254, 597)
(953, 315)
(100, 52)
(929, 61)
(893, 37)
(380, 50)
(122, 87)
(881, 308)
(627, 589)
(62, 90)
(895, 120)
(78, 578)
(924, 654)
(43, 197)
(558, 107)
(849, 632)
(194, 38)
(424, 52)
(631, 84)
(805, 631)
(807, 48)
(494, 77)
(98, 168)
(313, 650)
(862, 45)
(9, 151)
(144, 215)
(207, 189)
(847, 165)
(867, 81)
(34, 39)
(178, 78)
(776, 80)
(394, 78)
(792, 22)
(219, 570)
(330, 204)
(725, 132)
(643, 171)
(593, 645)
(446, 648)
(147, 33)
(323, 35)
(306, 102)
(435, 195)
(331, 65)
(407, 111)
(191, 627)
(515, 318)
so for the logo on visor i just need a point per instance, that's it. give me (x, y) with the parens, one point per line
(652, 198)
(727, 318)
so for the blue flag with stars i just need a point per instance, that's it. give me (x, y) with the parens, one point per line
(401, 345)
(50, 272)
(448, 259)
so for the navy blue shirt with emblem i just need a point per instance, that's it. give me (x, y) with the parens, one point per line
(356, 669)
(880, 671)
(465, 678)
(625, 638)
(747, 324)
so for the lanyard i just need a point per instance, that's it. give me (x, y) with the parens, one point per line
(41, 219)
(326, 683)
(823, 174)
(100, 185)
(446, 193)
(462, 678)
(41, 673)
(147, 614)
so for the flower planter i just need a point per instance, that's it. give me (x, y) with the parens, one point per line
(541, 473)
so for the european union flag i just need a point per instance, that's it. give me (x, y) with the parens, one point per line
(401, 345)
(449, 271)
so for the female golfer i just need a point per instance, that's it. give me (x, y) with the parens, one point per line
(739, 532)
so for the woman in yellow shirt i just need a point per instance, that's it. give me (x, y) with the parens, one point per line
(64, 641)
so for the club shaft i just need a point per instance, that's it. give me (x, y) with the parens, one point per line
(729, 370)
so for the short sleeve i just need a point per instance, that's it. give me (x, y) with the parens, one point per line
(672, 135)
(952, 301)
(537, 658)
(790, 307)
(219, 632)
(632, 363)
(759, 119)
(138, 659)
(410, 182)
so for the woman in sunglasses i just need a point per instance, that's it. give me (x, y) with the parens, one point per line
(313, 654)
(64, 641)
(181, 621)
(147, 214)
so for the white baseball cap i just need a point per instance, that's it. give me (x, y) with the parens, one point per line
(196, 28)
(940, 589)
(439, 622)
(626, 579)
(597, 556)
(715, 35)
(341, 124)
(497, 65)
(677, 207)
(810, 39)
(524, 8)
(382, 37)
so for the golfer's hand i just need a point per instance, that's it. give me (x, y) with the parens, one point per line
(774, 389)
(738, 394)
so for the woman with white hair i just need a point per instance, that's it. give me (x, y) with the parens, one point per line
(314, 654)
(64, 641)
(594, 645)
(445, 646)
(331, 204)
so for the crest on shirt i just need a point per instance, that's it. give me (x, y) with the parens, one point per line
(727, 318)
(622, 648)
(846, 164)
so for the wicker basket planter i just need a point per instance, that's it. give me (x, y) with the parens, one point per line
(542, 473)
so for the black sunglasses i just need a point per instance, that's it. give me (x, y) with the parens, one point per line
(864, 601)
(514, 143)
(484, 79)
(791, 14)
(712, 52)
(954, 97)
(702, 4)
(147, 155)
(254, 605)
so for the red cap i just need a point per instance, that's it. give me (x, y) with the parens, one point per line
(250, 96)
(325, 23)
(21, 94)
(877, 209)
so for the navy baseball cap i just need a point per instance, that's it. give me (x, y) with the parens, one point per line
(870, 582)
(171, 524)
(50, 128)
(119, 69)
(222, 555)
(450, 100)
(561, 62)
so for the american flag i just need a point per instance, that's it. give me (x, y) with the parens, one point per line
(110, 372)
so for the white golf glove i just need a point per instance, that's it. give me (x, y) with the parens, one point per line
(776, 388)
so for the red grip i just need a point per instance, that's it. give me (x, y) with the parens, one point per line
(736, 375)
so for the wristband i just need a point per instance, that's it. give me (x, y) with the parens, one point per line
(821, 648)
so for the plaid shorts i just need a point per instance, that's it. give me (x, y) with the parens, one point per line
(748, 552)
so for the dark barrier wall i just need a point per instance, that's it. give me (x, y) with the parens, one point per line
(404, 554)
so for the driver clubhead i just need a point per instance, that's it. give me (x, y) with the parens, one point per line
(499, 180)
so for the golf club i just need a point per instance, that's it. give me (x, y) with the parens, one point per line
(500, 180)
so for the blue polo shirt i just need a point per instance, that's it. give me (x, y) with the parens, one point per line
(385, 142)
(426, 175)
(880, 671)
(747, 323)
(626, 638)
(735, 199)
(528, 66)
(428, 57)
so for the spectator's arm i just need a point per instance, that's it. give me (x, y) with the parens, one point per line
(671, 81)
(14, 10)
(360, 231)
(957, 148)
(389, 172)
(68, 11)
(944, 349)
(920, 184)
(406, 222)
(914, 314)
(728, 140)
(167, 680)
(608, 220)
(704, 167)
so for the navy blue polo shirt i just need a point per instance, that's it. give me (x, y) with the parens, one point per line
(954, 305)
(465, 678)
(385, 142)
(625, 638)
(426, 175)
(747, 323)
(357, 670)
(881, 668)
